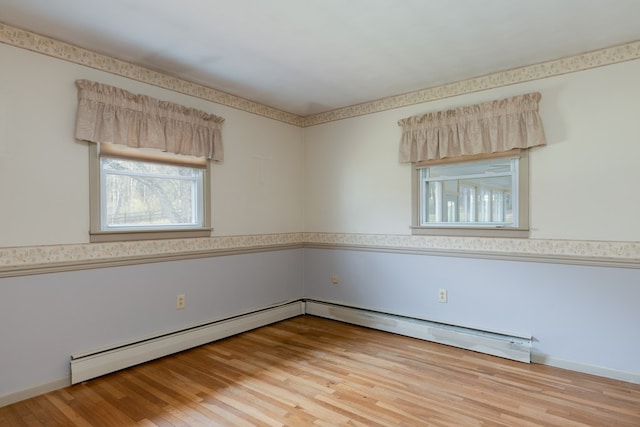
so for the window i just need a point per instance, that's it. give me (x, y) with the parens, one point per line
(147, 194)
(473, 193)
(462, 184)
(140, 195)
(486, 197)
(160, 188)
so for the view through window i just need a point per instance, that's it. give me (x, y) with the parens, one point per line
(482, 193)
(139, 195)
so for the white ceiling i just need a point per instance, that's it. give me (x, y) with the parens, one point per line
(310, 56)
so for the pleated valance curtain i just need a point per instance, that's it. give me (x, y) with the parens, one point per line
(491, 127)
(110, 114)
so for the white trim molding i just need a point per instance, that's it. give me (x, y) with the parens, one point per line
(101, 361)
(10, 398)
(501, 344)
(507, 346)
(615, 374)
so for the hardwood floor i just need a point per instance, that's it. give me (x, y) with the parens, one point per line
(312, 371)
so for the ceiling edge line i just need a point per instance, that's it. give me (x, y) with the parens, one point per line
(570, 64)
(38, 43)
(45, 45)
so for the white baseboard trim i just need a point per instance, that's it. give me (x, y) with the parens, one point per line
(92, 365)
(509, 347)
(614, 374)
(246, 322)
(10, 398)
(413, 328)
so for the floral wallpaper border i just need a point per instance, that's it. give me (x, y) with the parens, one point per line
(77, 55)
(629, 251)
(27, 260)
(55, 254)
(585, 61)
(17, 258)
(68, 52)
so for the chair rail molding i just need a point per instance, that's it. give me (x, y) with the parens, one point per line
(26, 260)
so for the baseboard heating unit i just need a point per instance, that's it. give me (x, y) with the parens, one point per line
(94, 364)
(502, 345)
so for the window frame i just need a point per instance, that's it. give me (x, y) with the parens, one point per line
(521, 231)
(96, 232)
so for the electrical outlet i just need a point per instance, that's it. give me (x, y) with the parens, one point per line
(334, 280)
(180, 302)
(442, 295)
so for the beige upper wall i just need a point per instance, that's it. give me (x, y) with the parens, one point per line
(341, 176)
(581, 183)
(44, 171)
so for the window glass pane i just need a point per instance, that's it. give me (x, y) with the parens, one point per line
(473, 193)
(150, 195)
(432, 201)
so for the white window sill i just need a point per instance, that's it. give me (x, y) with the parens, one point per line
(509, 232)
(130, 235)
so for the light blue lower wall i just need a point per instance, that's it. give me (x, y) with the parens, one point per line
(44, 319)
(586, 315)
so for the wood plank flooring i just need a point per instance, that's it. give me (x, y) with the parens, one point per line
(311, 371)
